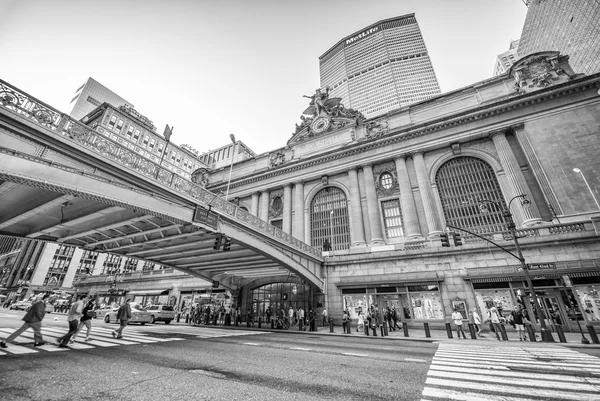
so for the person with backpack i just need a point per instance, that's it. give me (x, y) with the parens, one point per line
(85, 320)
(75, 313)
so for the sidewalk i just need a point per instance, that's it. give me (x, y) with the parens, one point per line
(416, 334)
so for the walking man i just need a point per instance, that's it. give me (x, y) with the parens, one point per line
(476, 321)
(324, 314)
(123, 315)
(457, 317)
(33, 318)
(517, 318)
(86, 320)
(395, 318)
(494, 319)
(75, 313)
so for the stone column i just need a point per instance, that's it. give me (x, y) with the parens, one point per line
(358, 228)
(431, 212)
(254, 206)
(536, 167)
(299, 210)
(287, 209)
(412, 229)
(264, 206)
(527, 215)
(41, 270)
(73, 266)
(373, 206)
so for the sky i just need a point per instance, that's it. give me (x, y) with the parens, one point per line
(210, 68)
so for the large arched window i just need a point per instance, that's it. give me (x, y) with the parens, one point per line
(329, 219)
(463, 183)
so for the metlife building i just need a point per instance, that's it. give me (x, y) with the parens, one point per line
(380, 68)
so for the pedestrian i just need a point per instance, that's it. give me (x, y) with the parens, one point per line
(291, 314)
(268, 314)
(361, 321)
(33, 319)
(324, 315)
(494, 320)
(476, 321)
(517, 319)
(395, 318)
(75, 313)
(249, 318)
(457, 318)
(123, 316)
(345, 322)
(300, 315)
(312, 319)
(85, 320)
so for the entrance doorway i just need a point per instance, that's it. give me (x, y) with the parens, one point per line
(553, 311)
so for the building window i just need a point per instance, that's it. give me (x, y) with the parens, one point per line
(60, 264)
(119, 126)
(129, 132)
(152, 143)
(462, 183)
(112, 122)
(146, 139)
(86, 263)
(148, 266)
(392, 218)
(136, 135)
(130, 265)
(329, 219)
(277, 223)
(111, 265)
(386, 180)
(280, 297)
(160, 148)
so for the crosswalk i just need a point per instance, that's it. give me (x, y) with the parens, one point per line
(101, 337)
(479, 373)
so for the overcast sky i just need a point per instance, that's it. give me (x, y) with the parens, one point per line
(214, 67)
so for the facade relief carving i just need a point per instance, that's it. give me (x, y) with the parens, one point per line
(386, 179)
(200, 177)
(276, 159)
(377, 128)
(540, 70)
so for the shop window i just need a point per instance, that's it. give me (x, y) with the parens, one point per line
(462, 183)
(329, 219)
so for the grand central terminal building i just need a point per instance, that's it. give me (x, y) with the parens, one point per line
(378, 195)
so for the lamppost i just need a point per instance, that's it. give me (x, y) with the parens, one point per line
(167, 134)
(232, 137)
(331, 227)
(588, 186)
(508, 219)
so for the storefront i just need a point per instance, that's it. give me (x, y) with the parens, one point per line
(281, 297)
(151, 297)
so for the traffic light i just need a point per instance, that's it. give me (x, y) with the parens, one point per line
(218, 241)
(227, 244)
(457, 239)
(215, 284)
(444, 239)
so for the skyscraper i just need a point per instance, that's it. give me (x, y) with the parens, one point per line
(570, 27)
(380, 68)
(91, 95)
(505, 60)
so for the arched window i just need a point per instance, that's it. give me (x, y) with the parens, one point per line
(462, 183)
(324, 224)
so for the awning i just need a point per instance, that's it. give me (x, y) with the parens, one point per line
(592, 273)
(148, 292)
(387, 280)
(500, 279)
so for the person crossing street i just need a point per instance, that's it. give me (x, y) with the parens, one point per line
(33, 319)
(123, 315)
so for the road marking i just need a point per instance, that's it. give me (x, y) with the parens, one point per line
(300, 349)
(415, 360)
(255, 344)
(353, 354)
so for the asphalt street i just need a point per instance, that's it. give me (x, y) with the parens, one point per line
(179, 361)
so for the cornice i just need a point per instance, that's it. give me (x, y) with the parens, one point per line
(507, 104)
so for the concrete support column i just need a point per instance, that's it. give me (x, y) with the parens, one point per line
(254, 206)
(73, 266)
(373, 206)
(264, 206)
(358, 228)
(412, 229)
(299, 210)
(43, 266)
(139, 266)
(431, 213)
(98, 267)
(518, 185)
(287, 209)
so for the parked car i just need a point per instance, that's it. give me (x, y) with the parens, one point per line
(20, 305)
(138, 314)
(164, 313)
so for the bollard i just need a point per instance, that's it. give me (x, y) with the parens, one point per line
(427, 333)
(530, 332)
(374, 331)
(561, 334)
(300, 324)
(472, 331)
(366, 328)
(592, 333)
(449, 330)
(272, 323)
(178, 317)
(381, 328)
(385, 329)
(331, 325)
(187, 318)
(503, 333)
(405, 328)
(259, 322)
(236, 321)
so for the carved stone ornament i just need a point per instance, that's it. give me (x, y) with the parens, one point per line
(276, 159)
(379, 173)
(538, 71)
(377, 128)
(276, 204)
(200, 177)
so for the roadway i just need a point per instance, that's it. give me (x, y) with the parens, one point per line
(179, 361)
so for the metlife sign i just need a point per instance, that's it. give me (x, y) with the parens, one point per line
(362, 35)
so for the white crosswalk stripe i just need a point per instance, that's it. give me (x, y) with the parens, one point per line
(102, 337)
(478, 373)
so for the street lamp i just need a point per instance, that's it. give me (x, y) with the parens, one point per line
(588, 186)
(232, 137)
(167, 134)
(508, 219)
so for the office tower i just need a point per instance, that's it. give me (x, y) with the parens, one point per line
(91, 95)
(505, 60)
(571, 27)
(380, 68)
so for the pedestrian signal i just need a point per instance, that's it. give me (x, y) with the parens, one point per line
(457, 239)
(227, 244)
(444, 239)
(218, 241)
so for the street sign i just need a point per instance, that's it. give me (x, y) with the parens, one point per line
(206, 217)
(535, 266)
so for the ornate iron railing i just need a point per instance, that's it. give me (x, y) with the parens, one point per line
(21, 103)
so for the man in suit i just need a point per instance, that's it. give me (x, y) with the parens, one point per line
(123, 315)
(33, 318)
